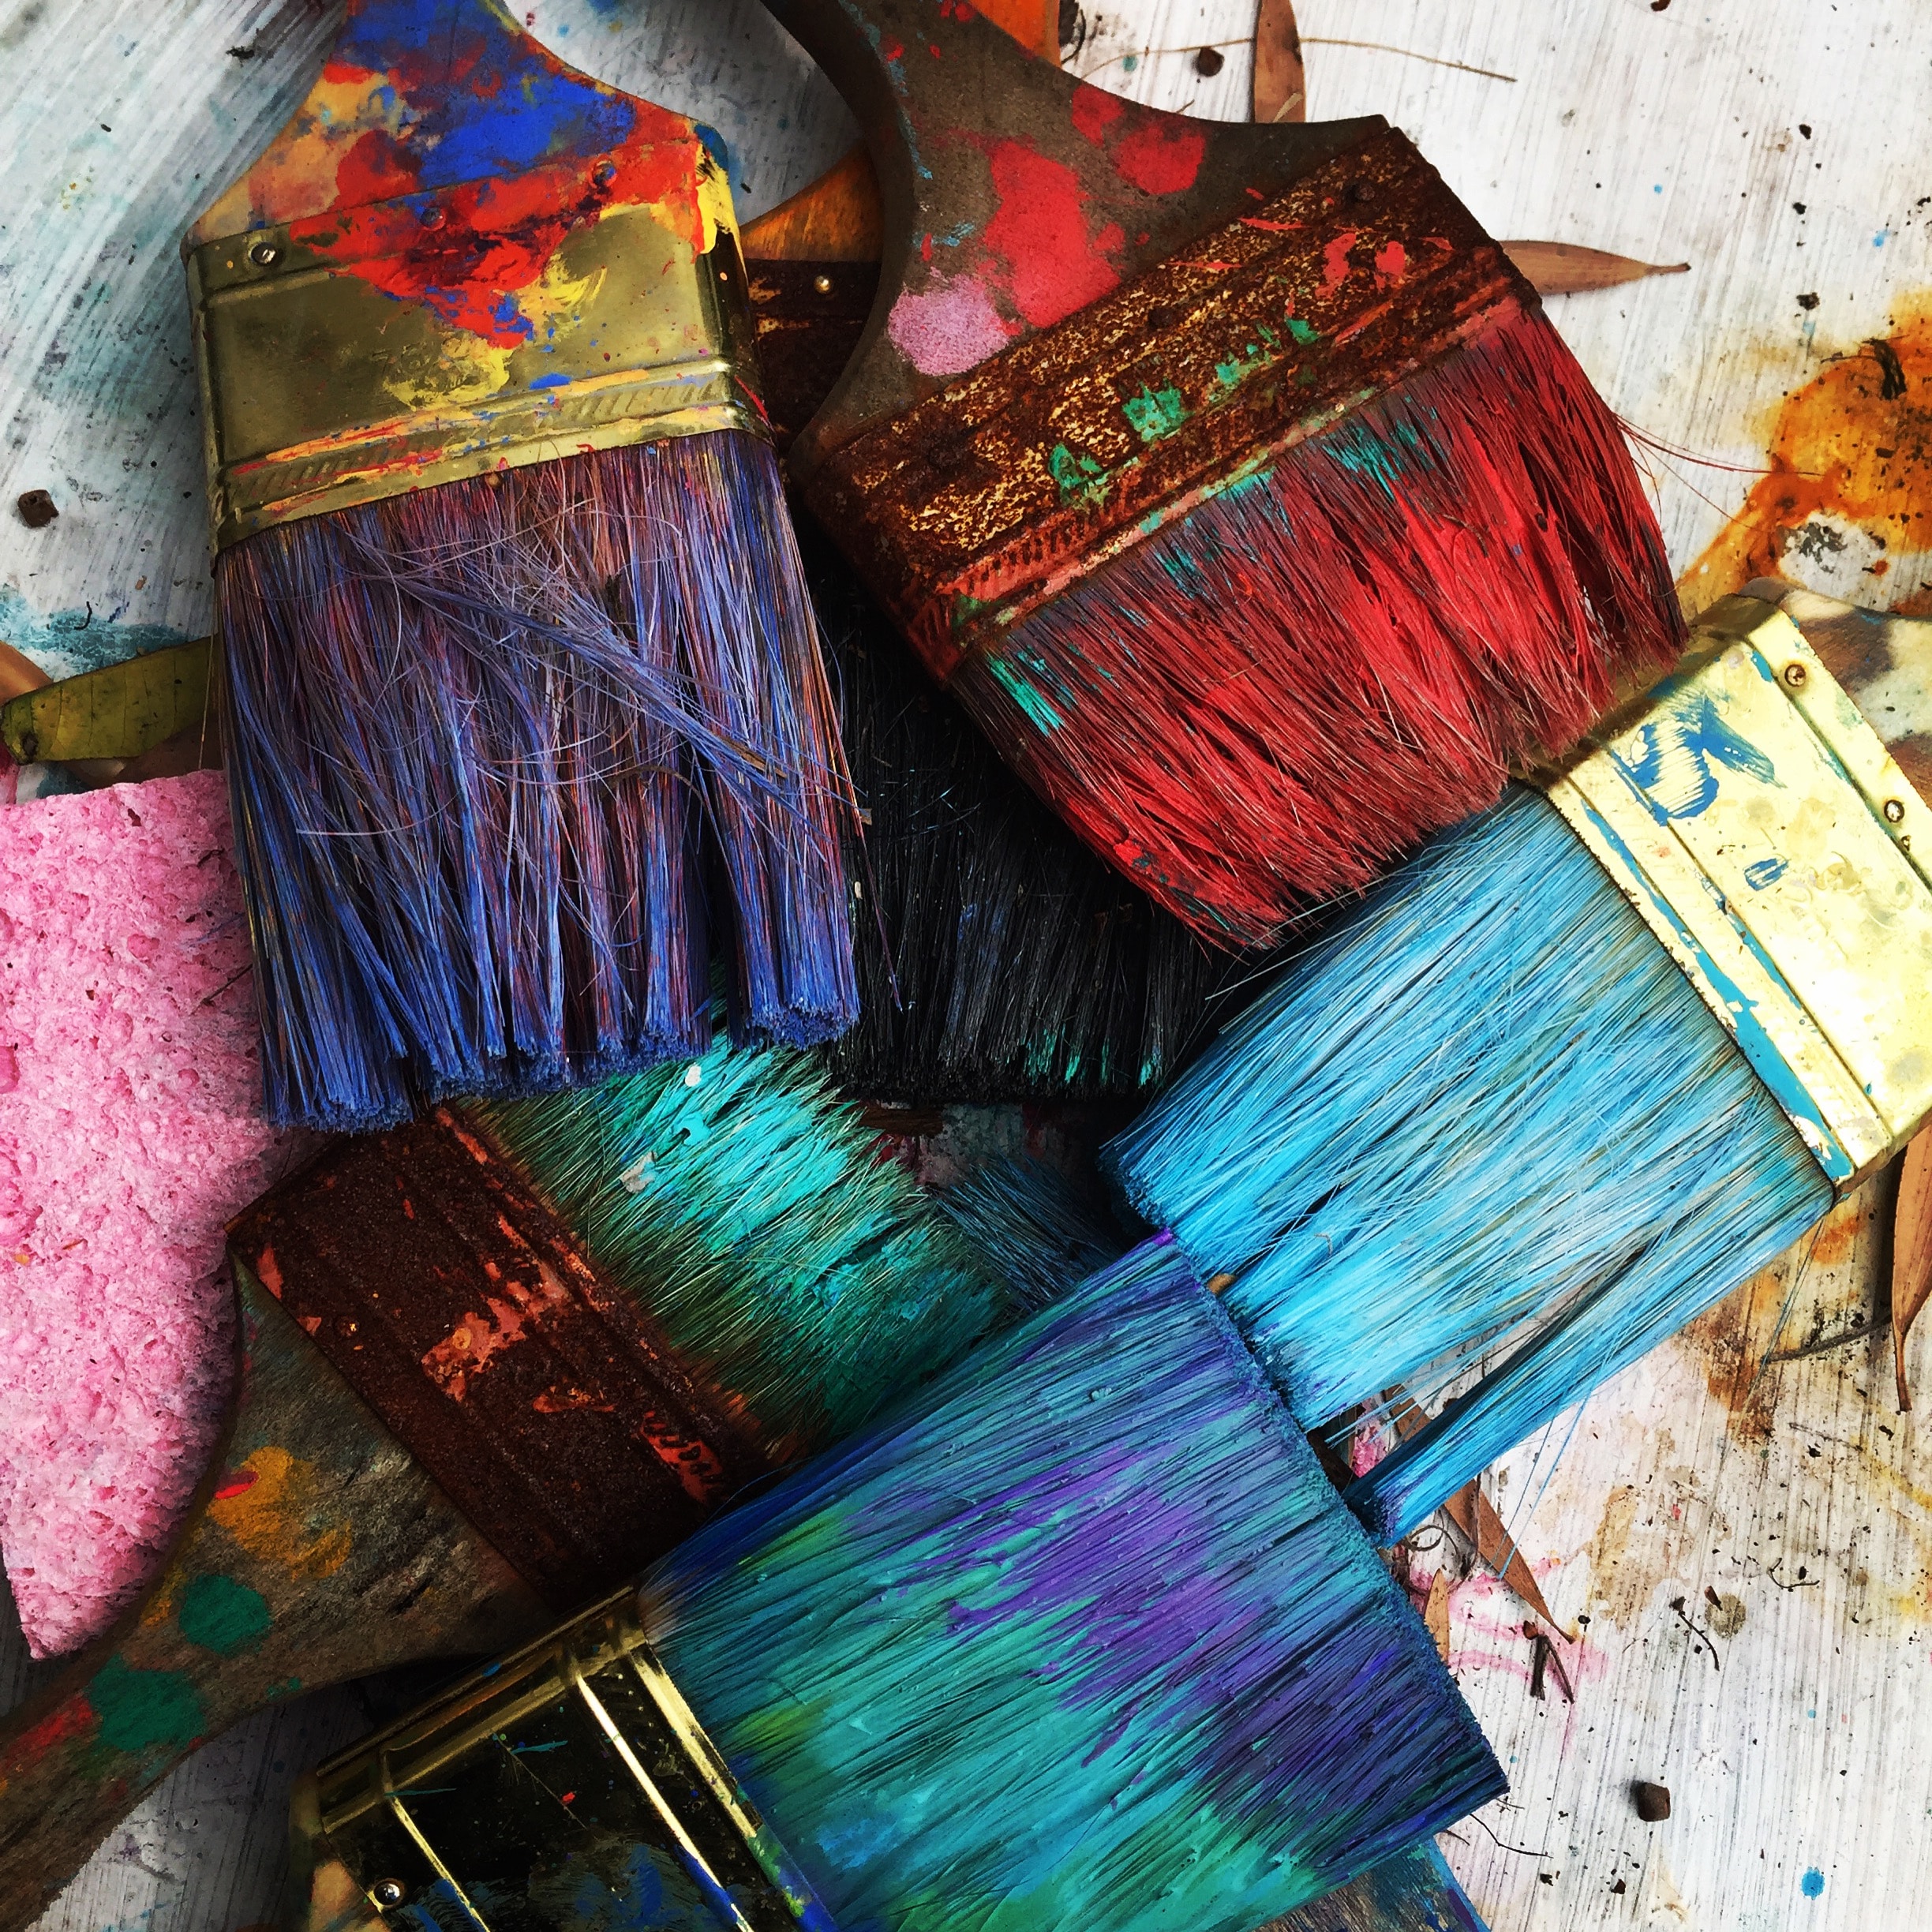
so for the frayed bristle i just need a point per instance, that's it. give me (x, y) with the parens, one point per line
(478, 735)
(797, 1272)
(1488, 1115)
(1031, 1223)
(998, 959)
(1262, 705)
(1079, 1636)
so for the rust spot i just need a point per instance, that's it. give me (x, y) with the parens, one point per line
(1730, 1340)
(1854, 444)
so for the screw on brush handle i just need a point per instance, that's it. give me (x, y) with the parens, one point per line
(316, 1551)
(1014, 195)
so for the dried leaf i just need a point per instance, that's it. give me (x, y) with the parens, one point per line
(1473, 1513)
(1435, 1613)
(1912, 1251)
(118, 711)
(1280, 81)
(1563, 268)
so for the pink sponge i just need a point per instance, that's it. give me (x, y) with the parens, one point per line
(129, 1132)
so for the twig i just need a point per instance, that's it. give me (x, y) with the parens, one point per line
(1435, 60)
(1677, 1604)
(1826, 1344)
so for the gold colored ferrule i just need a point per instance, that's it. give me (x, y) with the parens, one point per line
(571, 1768)
(323, 389)
(1756, 822)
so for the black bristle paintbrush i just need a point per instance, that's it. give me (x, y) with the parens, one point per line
(1230, 477)
(1586, 1063)
(517, 648)
(1078, 1635)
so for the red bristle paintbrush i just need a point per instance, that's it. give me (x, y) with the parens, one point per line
(1230, 475)
(514, 631)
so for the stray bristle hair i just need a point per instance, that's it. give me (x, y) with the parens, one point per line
(1078, 1635)
(1031, 1223)
(478, 736)
(1262, 705)
(1487, 1116)
(801, 1274)
(998, 959)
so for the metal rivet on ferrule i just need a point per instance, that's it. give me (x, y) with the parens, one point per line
(1894, 810)
(604, 173)
(264, 254)
(822, 283)
(387, 1892)
(1361, 191)
(1795, 675)
(432, 216)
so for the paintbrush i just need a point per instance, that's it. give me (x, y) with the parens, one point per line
(1228, 477)
(1585, 1064)
(1078, 1633)
(517, 648)
(740, 1280)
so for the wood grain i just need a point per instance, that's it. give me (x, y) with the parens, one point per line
(1911, 1252)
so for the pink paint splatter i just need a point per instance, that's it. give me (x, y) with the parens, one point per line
(949, 328)
(130, 1136)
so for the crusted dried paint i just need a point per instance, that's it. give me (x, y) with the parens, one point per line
(971, 509)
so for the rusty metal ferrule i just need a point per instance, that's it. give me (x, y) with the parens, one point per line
(568, 1770)
(968, 511)
(336, 368)
(1756, 822)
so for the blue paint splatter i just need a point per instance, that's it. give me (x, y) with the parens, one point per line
(1812, 1883)
(1763, 872)
(1672, 773)
(65, 643)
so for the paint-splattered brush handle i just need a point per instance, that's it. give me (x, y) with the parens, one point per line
(1013, 194)
(318, 1551)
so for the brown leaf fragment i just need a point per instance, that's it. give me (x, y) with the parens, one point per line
(1912, 1251)
(1474, 1514)
(1563, 268)
(1280, 81)
(19, 674)
(1435, 1613)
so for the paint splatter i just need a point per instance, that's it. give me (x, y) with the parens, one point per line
(287, 1516)
(216, 1613)
(1812, 1883)
(1053, 266)
(949, 327)
(139, 1710)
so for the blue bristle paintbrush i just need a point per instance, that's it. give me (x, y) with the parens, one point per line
(517, 648)
(1078, 1635)
(1586, 1065)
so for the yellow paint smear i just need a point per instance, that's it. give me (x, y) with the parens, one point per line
(288, 1516)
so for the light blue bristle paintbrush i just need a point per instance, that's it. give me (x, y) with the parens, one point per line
(1077, 1635)
(1585, 1065)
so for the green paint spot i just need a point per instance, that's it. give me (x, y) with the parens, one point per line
(1022, 693)
(140, 1708)
(222, 1616)
(1302, 331)
(1154, 412)
(1077, 476)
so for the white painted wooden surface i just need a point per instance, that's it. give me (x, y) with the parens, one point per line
(1793, 1723)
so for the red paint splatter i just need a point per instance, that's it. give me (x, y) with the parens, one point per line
(1053, 267)
(1162, 156)
(1095, 111)
(891, 52)
(1335, 260)
(1391, 263)
(377, 167)
(236, 1482)
(1270, 228)
(68, 1722)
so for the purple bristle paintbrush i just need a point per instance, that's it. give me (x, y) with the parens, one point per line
(520, 665)
(1230, 477)
(1078, 1635)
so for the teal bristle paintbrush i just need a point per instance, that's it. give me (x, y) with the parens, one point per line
(1078, 1635)
(1230, 478)
(519, 664)
(1588, 1062)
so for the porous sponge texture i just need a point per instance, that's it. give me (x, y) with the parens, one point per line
(130, 1130)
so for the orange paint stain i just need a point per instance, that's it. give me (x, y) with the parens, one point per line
(1854, 446)
(288, 1516)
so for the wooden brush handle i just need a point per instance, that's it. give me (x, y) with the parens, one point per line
(316, 1551)
(1013, 195)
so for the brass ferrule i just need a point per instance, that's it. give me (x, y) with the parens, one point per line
(1756, 820)
(571, 1765)
(323, 389)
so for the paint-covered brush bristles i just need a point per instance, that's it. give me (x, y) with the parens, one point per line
(998, 958)
(1034, 1227)
(1566, 1079)
(1230, 477)
(1081, 1634)
(800, 1274)
(519, 651)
